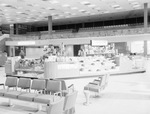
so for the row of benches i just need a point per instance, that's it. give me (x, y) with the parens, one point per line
(41, 91)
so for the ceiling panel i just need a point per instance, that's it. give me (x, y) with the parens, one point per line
(20, 11)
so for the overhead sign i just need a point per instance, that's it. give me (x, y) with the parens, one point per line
(99, 42)
(26, 43)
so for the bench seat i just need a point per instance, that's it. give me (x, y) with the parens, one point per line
(13, 94)
(27, 96)
(46, 99)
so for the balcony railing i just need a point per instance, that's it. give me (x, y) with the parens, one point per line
(86, 32)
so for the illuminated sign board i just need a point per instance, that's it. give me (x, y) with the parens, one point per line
(99, 42)
(26, 43)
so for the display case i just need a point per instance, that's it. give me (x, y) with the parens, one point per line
(76, 67)
(60, 69)
(17, 66)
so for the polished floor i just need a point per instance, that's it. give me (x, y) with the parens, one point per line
(125, 94)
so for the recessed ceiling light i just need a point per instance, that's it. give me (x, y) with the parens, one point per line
(3, 4)
(91, 5)
(18, 12)
(131, 0)
(115, 6)
(106, 12)
(74, 8)
(65, 5)
(67, 12)
(53, 2)
(82, 10)
(85, 2)
(118, 8)
(136, 5)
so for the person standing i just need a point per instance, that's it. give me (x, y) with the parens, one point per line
(22, 54)
(82, 52)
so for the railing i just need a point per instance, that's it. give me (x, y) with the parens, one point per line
(95, 32)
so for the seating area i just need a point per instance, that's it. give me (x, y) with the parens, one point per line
(40, 91)
(96, 86)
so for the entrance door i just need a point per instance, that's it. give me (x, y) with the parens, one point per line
(76, 49)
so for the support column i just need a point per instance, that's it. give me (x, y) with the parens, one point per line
(50, 26)
(145, 17)
(145, 26)
(11, 26)
(17, 29)
(128, 47)
(145, 48)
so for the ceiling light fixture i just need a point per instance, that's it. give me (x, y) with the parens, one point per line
(65, 5)
(18, 12)
(136, 5)
(3, 4)
(53, 2)
(82, 10)
(131, 0)
(74, 8)
(115, 6)
(85, 3)
(67, 12)
(91, 5)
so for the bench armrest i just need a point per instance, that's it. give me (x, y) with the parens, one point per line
(56, 94)
(93, 83)
(71, 87)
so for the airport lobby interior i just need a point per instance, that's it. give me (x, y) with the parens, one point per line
(74, 56)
